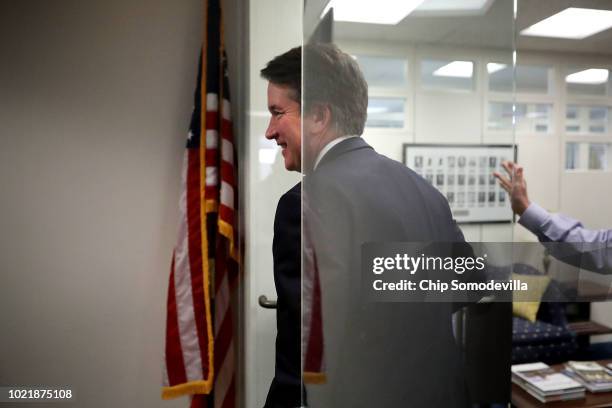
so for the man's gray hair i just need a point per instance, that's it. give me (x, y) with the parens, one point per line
(333, 78)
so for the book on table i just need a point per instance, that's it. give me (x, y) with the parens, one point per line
(591, 374)
(545, 384)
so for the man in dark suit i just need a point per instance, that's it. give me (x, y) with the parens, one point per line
(285, 390)
(284, 103)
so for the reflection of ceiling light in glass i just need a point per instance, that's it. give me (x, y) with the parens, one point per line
(494, 67)
(588, 76)
(458, 69)
(374, 12)
(574, 23)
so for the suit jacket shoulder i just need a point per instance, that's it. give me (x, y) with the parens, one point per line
(381, 192)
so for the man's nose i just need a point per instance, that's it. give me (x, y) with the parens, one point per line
(270, 131)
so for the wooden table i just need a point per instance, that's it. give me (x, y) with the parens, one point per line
(522, 399)
(588, 328)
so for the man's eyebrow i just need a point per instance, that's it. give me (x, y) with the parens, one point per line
(273, 107)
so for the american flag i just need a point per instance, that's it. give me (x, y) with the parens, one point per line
(199, 355)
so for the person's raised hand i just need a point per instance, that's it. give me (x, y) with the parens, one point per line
(515, 185)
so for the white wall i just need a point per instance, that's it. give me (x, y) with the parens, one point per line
(95, 101)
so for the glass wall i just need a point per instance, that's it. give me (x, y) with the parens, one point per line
(410, 121)
(415, 165)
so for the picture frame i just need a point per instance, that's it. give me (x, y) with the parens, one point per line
(463, 173)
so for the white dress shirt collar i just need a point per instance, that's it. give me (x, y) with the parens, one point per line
(329, 146)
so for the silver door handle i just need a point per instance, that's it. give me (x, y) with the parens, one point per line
(265, 303)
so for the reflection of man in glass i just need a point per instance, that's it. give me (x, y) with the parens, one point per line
(376, 354)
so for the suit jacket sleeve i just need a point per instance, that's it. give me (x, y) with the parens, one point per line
(286, 246)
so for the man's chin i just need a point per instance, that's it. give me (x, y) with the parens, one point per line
(292, 166)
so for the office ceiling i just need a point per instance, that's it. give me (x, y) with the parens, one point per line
(493, 29)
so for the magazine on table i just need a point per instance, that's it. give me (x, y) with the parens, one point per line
(594, 376)
(545, 384)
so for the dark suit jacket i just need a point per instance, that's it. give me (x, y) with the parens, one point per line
(378, 354)
(286, 388)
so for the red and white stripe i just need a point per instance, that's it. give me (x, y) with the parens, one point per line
(188, 348)
(225, 359)
(212, 149)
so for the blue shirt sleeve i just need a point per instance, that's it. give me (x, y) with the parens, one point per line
(590, 244)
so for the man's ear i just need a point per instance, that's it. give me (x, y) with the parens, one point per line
(319, 117)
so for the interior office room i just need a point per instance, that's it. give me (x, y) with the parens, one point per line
(95, 105)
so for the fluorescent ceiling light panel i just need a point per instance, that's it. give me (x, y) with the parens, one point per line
(452, 5)
(494, 67)
(377, 109)
(456, 69)
(588, 76)
(388, 12)
(574, 23)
